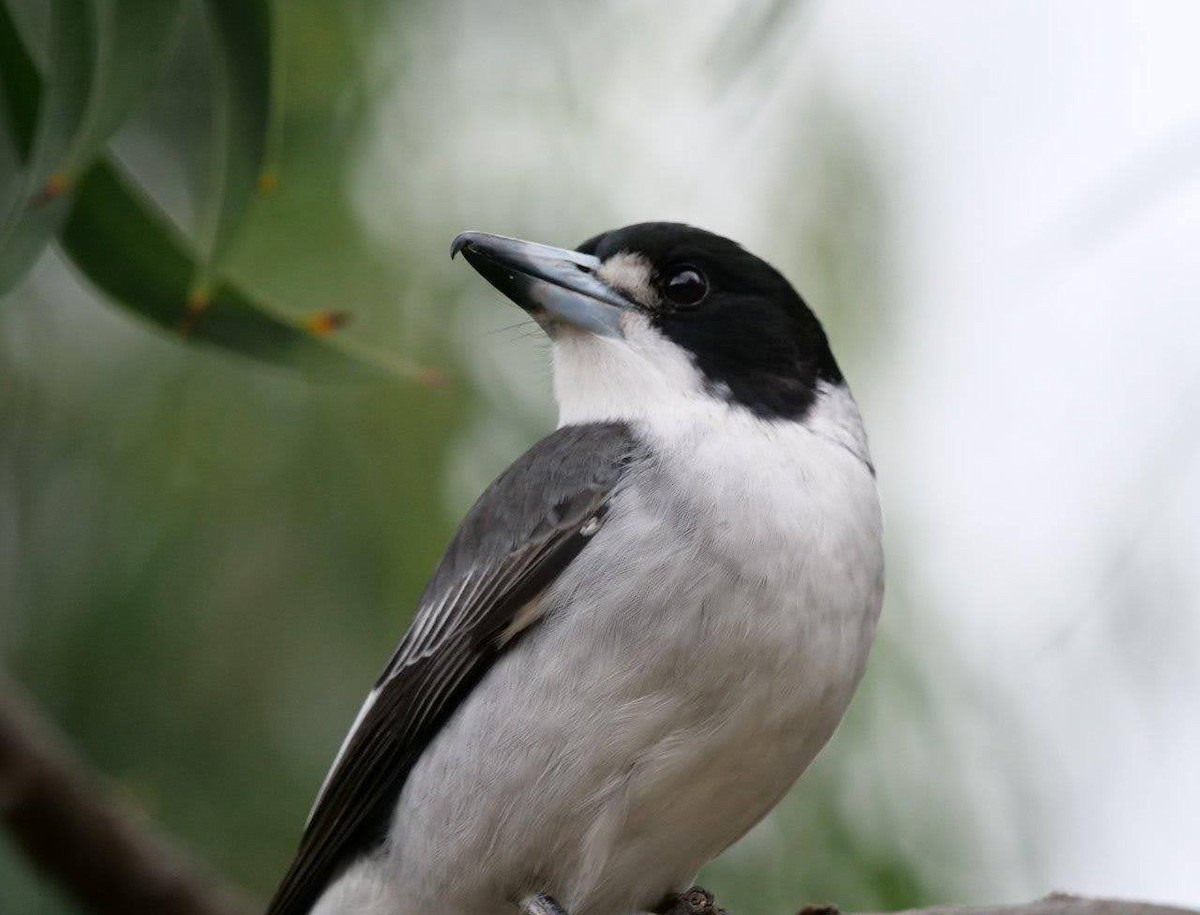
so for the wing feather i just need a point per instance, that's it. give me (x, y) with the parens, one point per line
(525, 529)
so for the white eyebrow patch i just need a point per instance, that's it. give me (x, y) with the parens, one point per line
(631, 274)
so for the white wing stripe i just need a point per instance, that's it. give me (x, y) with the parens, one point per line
(430, 623)
(358, 720)
(425, 618)
(433, 694)
(438, 633)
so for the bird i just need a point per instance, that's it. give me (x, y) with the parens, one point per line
(645, 628)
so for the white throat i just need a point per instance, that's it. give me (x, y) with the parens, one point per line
(642, 376)
(647, 381)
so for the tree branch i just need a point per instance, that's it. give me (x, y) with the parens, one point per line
(81, 835)
(697, 901)
(77, 831)
(1054, 904)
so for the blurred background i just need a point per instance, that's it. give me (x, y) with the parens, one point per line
(205, 557)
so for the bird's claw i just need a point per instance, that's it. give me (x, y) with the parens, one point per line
(541, 904)
(693, 901)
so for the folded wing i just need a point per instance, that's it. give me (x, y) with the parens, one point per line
(521, 534)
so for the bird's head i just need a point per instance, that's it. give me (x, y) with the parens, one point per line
(658, 317)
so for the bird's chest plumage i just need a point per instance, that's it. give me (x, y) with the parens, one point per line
(695, 657)
(767, 595)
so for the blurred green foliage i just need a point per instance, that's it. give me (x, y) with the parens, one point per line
(100, 59)
(204, 560)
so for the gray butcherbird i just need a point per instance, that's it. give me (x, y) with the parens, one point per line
(644, 630)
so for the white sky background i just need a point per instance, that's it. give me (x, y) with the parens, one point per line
(1036, 420)
(1049, 448)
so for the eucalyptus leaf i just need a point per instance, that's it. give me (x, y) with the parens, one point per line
(126, 249)
(42, 202)
(130, 250)
(104, 56)
(20, 86)
(134, 38)
(241, 32)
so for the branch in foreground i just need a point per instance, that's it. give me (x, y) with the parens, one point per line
(1054, 904)
(697, 901)
(78, 833)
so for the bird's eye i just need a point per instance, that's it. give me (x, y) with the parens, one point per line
(686, 287)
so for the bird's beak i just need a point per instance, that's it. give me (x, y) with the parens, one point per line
(555, 285)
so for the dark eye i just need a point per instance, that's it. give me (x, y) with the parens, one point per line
(686, 286)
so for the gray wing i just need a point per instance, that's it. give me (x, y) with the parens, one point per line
(524, 530)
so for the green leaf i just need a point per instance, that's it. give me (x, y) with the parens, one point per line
(241, 31)
(42, 203)
(133, 39)
(20, 85)
(104, 56)
(114, 238)
(268, 177)
(128, 248)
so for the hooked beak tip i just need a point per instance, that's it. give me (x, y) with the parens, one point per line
(461, 240)
(555, 285)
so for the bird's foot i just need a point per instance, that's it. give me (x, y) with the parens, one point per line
(694, 901)
(541, 904)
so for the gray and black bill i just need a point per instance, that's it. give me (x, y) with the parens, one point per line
(556, 286)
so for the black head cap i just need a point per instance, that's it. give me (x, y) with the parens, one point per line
(749, 332)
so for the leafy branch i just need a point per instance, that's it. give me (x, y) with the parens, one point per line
(102, 58)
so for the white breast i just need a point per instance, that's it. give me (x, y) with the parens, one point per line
(758, 483)
(752, 601)
(695, 657)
